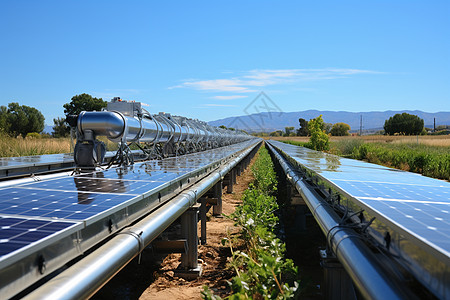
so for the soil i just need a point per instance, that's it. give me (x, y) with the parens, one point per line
(157, 280)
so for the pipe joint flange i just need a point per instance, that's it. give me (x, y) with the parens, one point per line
(191, 195)
(315, 210)
(138, 237)
(346, 236)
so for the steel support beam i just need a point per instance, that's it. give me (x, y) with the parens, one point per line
(189, 220)
(217, 190)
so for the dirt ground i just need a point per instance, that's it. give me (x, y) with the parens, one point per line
(213, 256)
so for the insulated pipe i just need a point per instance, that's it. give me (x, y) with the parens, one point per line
(116, 126)
(359, 262)
(87, 276)
(108, 123)
(158, 128)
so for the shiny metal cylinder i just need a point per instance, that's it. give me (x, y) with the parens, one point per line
(132, 129)
(107, 123)
(152, 129)
(166, 130)
(149, 130)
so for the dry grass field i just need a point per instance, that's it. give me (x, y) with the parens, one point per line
(14, 147)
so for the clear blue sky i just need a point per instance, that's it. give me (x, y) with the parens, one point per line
(210, 59)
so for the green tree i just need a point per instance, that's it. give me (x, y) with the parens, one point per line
(404, 124)
(276, 133)
(4, 125)
(83, 102)
(303, 130)
(340, 129)
(319, 139)
(60, 129)
(288, 131)
(21, 119)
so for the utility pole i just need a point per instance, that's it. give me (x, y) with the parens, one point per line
(434, 127)
(360, 127)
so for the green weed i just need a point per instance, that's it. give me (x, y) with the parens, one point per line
(262, 272)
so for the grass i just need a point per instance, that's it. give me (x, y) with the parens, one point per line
(432, 161)
(15, 147)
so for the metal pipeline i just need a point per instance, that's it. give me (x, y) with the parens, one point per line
(87, 276)
(356, 258)
(119, 127)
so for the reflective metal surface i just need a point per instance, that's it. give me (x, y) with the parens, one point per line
(107, 123)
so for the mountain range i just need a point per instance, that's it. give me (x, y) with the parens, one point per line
(271, 121)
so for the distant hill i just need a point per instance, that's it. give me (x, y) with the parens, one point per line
(370, 120)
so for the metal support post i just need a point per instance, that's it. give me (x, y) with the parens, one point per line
(238, 169)
(189, 268)
(337, 283)
(229, 181)
(203, 220)
(233, 175)
(217, 189)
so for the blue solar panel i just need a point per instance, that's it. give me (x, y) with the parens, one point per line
(418, 206)
(16, 233)
(35, 217)
(94, 185)
(137, 174)
(57, 204)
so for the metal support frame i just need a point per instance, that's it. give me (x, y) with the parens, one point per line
(203, 210)
(217, 190)
(336, 284)
(228, 181)
(189, 220)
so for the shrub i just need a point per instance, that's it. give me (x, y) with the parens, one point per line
(319, 139)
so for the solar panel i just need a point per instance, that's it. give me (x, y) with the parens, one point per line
(414, 206)
(64, 216)
(16, 233)
(55, 204)
(95, 185)
(137, 174)
(382, 188)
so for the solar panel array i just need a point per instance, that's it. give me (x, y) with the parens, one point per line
(51, 209)
(415, 205)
